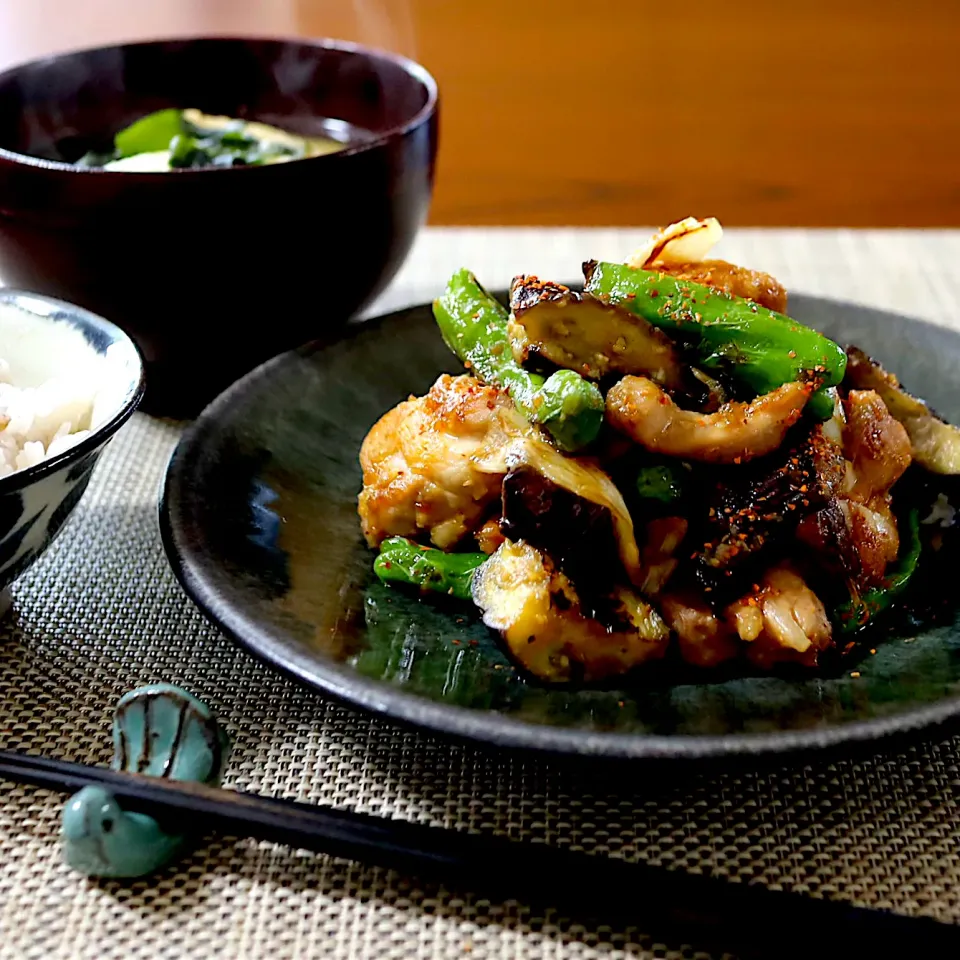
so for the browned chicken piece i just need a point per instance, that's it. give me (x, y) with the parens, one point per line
(489, 536)
(664, 536)
(703, 638)
(737, 281)
(936, 445)
(876, 445)
(737, 432)
(857, 527)
(874, 537)
(855, 531)
(826, 532)
(433, 465)
(782, 620)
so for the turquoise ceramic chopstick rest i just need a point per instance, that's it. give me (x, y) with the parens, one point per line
(158, 730)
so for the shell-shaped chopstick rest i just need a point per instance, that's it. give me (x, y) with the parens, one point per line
(158, 730)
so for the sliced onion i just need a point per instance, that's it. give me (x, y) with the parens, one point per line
(686, 241)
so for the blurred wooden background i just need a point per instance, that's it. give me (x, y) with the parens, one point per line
(817, 113)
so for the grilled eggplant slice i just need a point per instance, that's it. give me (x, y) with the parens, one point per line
(539, 615)
(566, 505)
(577, 533)
(753, 506)
(936, 444)
(582, 333)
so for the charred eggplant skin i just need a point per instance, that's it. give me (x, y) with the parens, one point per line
(758, 347)
(402, 561)
(577, 534)
(474, 327)
(752, 507)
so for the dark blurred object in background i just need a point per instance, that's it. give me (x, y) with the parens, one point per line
(215, 270)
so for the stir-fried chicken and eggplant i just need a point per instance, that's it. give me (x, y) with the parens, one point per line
(665, 459)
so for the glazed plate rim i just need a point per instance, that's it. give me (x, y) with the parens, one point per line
(201, 580)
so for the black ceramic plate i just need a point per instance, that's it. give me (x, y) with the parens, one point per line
(259, 520)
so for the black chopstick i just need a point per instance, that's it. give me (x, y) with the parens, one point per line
(704, 911)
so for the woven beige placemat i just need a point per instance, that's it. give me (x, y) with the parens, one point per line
(102, 613)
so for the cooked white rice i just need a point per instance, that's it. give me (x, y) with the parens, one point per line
(43, 420)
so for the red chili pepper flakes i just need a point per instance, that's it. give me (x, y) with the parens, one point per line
(792, 354)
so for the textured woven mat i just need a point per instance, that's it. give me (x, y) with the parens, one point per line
(102, 613)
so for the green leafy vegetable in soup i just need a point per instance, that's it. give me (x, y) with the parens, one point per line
(178, 139)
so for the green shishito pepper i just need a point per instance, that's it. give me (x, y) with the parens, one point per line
(760, 348)
(855, 614)
(474, 327)
(663, 483)
(403, 561)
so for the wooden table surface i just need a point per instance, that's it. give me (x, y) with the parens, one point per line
(821, 113)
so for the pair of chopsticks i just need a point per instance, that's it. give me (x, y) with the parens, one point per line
(750, 920)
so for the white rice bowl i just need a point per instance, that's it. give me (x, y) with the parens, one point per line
(52, 387)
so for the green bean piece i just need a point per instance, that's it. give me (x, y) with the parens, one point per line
(402, 561)
(474, 326)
